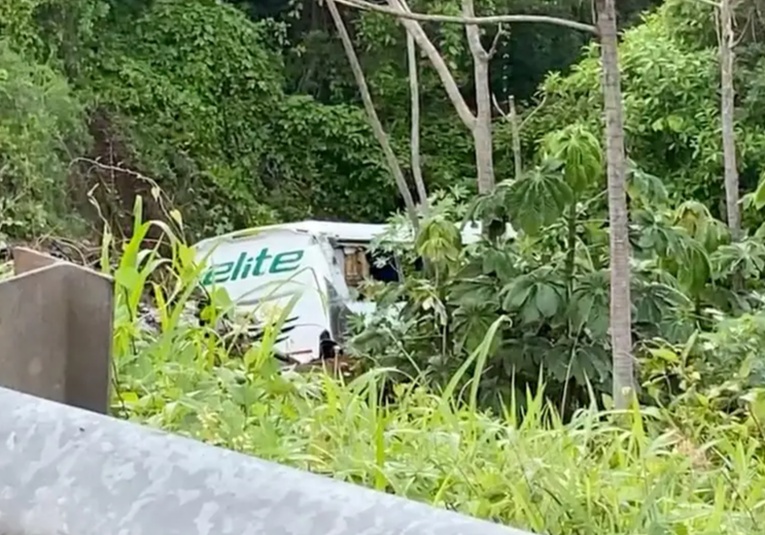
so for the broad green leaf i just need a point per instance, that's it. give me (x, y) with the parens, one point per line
(517, 292)
(580, 151)
(547, 300)
(538, 199)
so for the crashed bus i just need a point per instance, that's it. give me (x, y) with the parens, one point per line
(307, 271)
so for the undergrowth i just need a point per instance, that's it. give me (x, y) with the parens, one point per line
(591, 474)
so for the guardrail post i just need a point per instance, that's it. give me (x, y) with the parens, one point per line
(56, 322)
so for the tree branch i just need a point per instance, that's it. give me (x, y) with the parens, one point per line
(374, 120)
(414, 91)
(495, 42)
(528, 116)
(478, 21)
(532, 112)
(450, 85)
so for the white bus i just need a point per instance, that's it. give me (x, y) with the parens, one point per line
(310, 269)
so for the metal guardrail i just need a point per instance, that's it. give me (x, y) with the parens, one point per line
(70, 471)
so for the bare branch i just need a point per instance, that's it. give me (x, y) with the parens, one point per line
(374, 120)
(532, 112)
(495, 43)
(748, 23)
(414, 91)
(478, 21)
(498, 107)
(528, 116)
(515, 130)
(450, 85)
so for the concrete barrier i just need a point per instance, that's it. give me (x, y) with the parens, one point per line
(67, 471)
(56, 331)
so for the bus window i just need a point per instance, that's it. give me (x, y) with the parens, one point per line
(386, 272)
(360, 263)
(356, 266)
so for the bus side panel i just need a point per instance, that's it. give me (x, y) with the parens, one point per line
(263, 274)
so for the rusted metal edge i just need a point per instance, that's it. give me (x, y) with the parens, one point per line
(66, 471)
(26, 260)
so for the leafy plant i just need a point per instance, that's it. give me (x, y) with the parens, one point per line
(683, 469)
(40, 122)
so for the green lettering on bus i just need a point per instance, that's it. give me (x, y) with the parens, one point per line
(247, 266)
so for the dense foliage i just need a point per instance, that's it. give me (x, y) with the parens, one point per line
(486, 372)
(551, 281)
(248, 113)
(692, 465)
(243, 113)
(671, 85)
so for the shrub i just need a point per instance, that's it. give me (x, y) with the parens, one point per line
(593, 474)
(41, 125)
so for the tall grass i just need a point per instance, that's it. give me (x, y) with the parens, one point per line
(590, 475)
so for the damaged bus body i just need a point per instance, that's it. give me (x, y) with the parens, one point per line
(307, 270)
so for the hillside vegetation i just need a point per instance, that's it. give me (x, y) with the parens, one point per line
(244, 114)
(147, 124)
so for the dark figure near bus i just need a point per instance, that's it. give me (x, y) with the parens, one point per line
(328, 348)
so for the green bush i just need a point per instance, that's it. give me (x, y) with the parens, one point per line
(594, 474)
(325, 162)
(192, 87)
(191, 95)
(41, 128)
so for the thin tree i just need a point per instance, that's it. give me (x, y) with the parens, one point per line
(727, 43)
(374, 120)
(620, 299)
(516, 126)
(414, 93)
(515, 129)
(479, 124)
(482, 135)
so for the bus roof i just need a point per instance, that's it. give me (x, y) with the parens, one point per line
(342, 233)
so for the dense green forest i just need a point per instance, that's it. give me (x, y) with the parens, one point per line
(491, 390)
(242, 113)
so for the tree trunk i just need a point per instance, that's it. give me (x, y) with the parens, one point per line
(414, 91)
(425, 44)
(620, 314)
(515, 130)
(374, 120)
(727, 39)
(482, 135)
